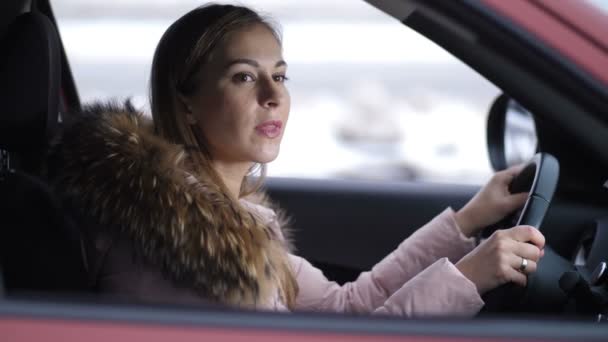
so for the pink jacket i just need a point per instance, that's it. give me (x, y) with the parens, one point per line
(417, 279)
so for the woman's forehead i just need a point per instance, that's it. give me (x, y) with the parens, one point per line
(256, 42)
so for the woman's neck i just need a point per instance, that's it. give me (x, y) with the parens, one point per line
(232, 174)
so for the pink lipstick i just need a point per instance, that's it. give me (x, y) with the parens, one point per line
(270, 129)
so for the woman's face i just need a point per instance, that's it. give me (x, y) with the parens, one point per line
(242, 104)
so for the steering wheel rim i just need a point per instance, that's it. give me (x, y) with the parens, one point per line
(545, 168)
(539, 177)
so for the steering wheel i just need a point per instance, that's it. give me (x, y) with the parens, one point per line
(542, 292)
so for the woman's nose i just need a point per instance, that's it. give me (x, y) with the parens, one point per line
(271, 94)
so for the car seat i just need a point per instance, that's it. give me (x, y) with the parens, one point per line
(39, 243)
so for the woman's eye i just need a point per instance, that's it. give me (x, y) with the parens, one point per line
(243, 77)
(280, 78)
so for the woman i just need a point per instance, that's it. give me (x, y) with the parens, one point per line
(169, 202)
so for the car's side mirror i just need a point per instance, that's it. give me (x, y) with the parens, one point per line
(511, 133)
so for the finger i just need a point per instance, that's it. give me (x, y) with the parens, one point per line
(517, 265)
(527, 234)
(510, 172)
(517, 277)
(526, 250)
(517, 200)
(515, 169)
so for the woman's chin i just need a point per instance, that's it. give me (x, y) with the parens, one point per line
(267, 156)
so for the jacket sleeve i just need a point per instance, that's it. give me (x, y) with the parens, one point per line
(417, 279)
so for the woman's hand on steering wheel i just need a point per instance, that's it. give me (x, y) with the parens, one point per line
(500, 259)
(492, 203)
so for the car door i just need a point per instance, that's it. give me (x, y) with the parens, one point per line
(345, 227)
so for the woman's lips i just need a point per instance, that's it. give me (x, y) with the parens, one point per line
(270, 129)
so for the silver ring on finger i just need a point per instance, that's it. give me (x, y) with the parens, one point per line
(524, 264)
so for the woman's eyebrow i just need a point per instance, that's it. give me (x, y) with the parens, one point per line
(252, 62)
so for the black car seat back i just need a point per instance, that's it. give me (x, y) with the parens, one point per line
(39, 245)
(30, 75)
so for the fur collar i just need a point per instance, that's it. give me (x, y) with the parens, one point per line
(109, 161)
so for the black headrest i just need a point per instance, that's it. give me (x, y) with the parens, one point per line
(30, 76)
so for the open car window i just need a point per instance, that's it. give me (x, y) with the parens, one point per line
(371, 98)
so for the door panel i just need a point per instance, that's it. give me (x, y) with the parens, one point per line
(345, 227)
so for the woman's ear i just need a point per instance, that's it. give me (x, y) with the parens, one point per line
(187, 108)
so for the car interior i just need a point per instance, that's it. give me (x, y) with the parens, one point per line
(36, 235)
(40, 246)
